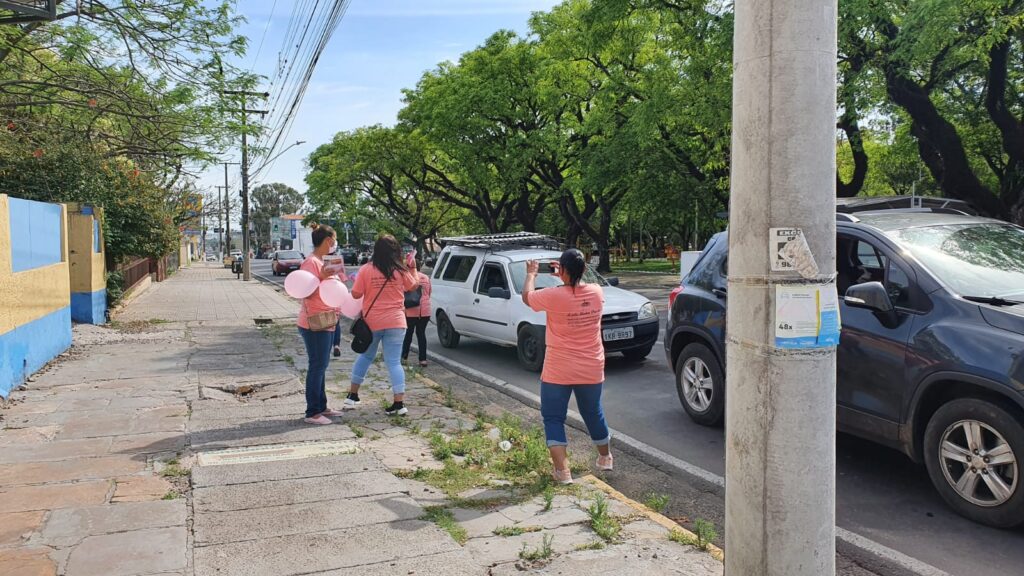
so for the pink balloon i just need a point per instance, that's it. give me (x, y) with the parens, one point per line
(300, 284)
(352, 307)
(333, 292)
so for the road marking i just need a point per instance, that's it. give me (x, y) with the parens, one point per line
(886, 554)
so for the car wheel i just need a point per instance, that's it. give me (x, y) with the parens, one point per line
(973, 450)
(530, 347)
(700, 383)
(446, 332)
(637, 354)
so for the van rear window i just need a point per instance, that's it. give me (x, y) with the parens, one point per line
(439, 267)
(458, 268)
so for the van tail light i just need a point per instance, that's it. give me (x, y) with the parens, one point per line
(672, 295)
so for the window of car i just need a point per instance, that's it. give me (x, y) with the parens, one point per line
(859, 261)
(518, 272)
(710, 269)
(440, 265)
(492, 276)
(288, 255)
(459, 268)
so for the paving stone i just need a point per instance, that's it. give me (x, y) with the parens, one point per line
(651, 558)
(261, 523)
(644, 530)
(15, 525)
(456, 563)
(140, 444)
(424, 494)
(207, 476)
(285, 492)
(57, 450)
(411, 539)
(140, 489)
(258, 424)
(480, 523)
(52, 496)
(205, 410)
(70, 526)
(499, 549)
(27, 562)
(130, 553)
(229, 437)
(63, 470)
(34, 435)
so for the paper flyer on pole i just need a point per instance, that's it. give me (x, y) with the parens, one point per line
(806, 316)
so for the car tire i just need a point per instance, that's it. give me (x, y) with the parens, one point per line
(700, 383)
(446, 332)
(530, 347)
(968, 487)
(637, 354)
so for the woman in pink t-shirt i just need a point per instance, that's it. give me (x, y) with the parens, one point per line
(574, 358)
(382, 285)
(418, 317)
(318, 342)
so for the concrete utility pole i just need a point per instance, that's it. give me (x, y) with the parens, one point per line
(780, 411)
(221, 213)
(246, 262)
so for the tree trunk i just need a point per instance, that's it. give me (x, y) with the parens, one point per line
(849, 125)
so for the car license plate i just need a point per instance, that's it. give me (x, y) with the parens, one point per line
(612, 334)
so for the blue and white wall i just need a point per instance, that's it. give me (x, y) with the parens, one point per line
(88, 264)
(35, 291)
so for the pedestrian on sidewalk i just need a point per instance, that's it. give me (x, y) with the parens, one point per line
(418, 317)
(574, 357)
(317, 326)
(382, 286)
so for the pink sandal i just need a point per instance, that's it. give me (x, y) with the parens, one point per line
(330, 413)
(318, 419)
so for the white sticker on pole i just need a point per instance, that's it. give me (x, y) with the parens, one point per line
(789, 252)
(807, 316)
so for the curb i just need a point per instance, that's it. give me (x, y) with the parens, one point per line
(655, 517)
(879, 555)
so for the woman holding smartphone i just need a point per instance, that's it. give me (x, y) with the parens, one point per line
(574, 358)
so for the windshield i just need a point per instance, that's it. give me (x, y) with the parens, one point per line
(289, 255)
(518, 271)
(973, 259)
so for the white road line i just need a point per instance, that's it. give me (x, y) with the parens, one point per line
(889, 555)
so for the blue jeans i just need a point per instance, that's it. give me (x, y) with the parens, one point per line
(337, 333)
(554, 404)
(318, 349)
(392, 339)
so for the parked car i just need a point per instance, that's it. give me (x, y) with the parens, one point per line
(931, 355)
(476, 292)
(364, 257)
(349, 255)
(285, 261)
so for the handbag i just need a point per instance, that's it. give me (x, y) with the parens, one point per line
(413, 297)
(322, 321)
(362, 336)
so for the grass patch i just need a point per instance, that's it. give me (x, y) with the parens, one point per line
(703, 535)
(508, 531)
(289, 360)
(542, 553)
(595, 545)
(173, 469)
(650, 265)
(439, 447)
(171, 495)
(656, 502)
(446, 521)
(453, 479)
(357, 431)
(601, 522)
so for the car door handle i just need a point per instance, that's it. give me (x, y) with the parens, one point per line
(477, 301)
(720, 292)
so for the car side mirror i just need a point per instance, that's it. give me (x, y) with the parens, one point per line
(872, 296)
(501, 293)
(613, 281)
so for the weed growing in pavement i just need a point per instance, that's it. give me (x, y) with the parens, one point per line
(656, 502)
(453, 479)
(595, 545)
(289, 360)
(439, 446)
(508, 531)
(171, 495)
(173, 469)
(446, 521)
(704, 534)
(549, 497)
(449, 397)
(480, 425)
(357, 431)
(542, 553)
(603, 524)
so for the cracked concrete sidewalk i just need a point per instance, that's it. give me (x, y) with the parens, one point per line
(171, 444)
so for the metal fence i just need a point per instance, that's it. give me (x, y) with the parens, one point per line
(134, 271)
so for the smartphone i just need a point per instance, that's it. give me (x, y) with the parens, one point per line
(548, 268)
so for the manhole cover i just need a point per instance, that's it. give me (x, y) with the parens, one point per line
(275, 452)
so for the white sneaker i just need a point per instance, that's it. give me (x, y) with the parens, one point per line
(351, 402)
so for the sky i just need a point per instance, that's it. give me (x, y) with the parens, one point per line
(380, 47)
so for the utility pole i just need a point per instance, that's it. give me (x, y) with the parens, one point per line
(246, 262)
(780, 413)
(227, 205)
(221, 212)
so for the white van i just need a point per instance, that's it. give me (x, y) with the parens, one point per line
(477, 292)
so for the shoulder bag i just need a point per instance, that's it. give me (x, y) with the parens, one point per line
(362, 336)
(413, 297)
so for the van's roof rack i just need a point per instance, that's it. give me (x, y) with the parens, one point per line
(509, 241)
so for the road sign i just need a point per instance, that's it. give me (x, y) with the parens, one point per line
(294, 229)
(218, 230)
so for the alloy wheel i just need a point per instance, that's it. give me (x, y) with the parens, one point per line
(698, 387)
(978, 463)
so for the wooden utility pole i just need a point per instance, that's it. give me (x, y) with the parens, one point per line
(246, 262)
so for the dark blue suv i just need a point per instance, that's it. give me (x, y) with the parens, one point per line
(931, 357)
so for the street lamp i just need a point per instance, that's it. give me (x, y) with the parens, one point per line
(276, 156)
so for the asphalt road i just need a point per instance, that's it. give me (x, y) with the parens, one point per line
(882, 495)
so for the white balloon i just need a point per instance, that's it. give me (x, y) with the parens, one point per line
(300, 284)
(333, 292)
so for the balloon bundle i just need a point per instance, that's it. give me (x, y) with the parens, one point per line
(302, 284)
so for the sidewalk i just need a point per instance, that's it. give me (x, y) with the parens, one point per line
(172, 444)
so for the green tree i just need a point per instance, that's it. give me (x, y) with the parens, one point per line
(270, 201)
